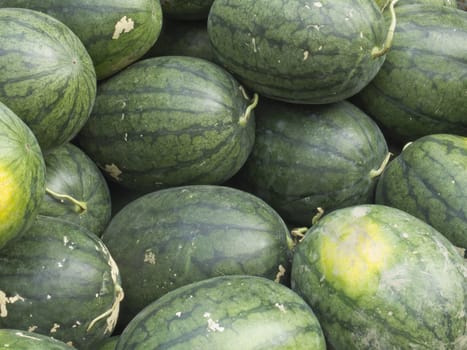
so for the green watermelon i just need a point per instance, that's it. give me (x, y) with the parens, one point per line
(13, 339)
(170, 121)
(449, 3)
(76, 189)
(420, 89)
(114, 32)
(183, 38)
(60, 280)
(108, 343)
(22, 176)
(299, 51)
(228, 313)
(379, 278)
(172, 237)
(48, 78)
(429, 180)
(313, 156)
(186, 10)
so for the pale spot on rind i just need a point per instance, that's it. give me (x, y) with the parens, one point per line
(124, 25)
(4, 300)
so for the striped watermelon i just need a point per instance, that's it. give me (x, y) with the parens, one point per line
(180, 235)
(379, 278)
(13, 339)
(429, 180)
(420, 90)
(22, 176)
(228, 313)
(60, 280)
(114, 32)
(170, 121)
(307, 157)
(299, 51)
(76, 189)
(48, 78)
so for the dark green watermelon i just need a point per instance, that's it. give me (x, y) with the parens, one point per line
(180, 235)
(170, 121)
(420, 89)
(60, 280)
(308, 157)
(379, 278)
(428, 179)
(22, 176)
(72, 176)
(13, 339)
(115, 33)
(299, 51)
(228, 313)
(48, 78)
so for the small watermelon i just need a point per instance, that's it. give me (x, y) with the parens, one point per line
(22, 176)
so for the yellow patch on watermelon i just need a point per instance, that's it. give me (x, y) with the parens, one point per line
(9, 199)
(353, 258)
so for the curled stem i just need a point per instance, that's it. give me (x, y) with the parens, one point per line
(377, 172)
(244, 118)
(380, 51)
(82, 206)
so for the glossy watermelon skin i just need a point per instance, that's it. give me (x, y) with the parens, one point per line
(22, 340)
(173, 237)
(420, 89)
(169, 121)
(60, 280)
(186, 10)
(306, 157)
(71, 172)
(379, 278)
(428, 179)
(22, 176)
(227, 312)
(115, 33)
(297, 51)
(48, 78)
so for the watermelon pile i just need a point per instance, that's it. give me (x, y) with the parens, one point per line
(233, 174)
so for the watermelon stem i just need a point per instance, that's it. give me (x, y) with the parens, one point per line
(299, 233)
(82, 206)
(317, 216)
(377, 172)
(111, 313)
(380, 51)
(244, 118)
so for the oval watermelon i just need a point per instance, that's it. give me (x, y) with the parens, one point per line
(22, 176)
(13, 339)
(428, 179)
(420, 89)
(48, 78)
(115, 33)
(228, 313)
(72, 176)
(299, 51)
(379, 278)
(170, 121)
(60, 280)
(180, 235)
(307, 157)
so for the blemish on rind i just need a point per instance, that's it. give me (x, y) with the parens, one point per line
(55, 328)
(113, 171)
(4, 300)
(124, 25)
(281, 307)
(149, 257)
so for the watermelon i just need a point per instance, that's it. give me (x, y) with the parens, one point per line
(186, 10)
(429, 180)
(313, 156)
(298, 51)
(14, 339)
(170, 121)
(22, 176)
(76, 189)
(420, 89)
(379, 278)
(172, 237)
(449, 3)
(108, 343)
(183, 38)
(114, 32)
(60, 280)
(228, 313)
